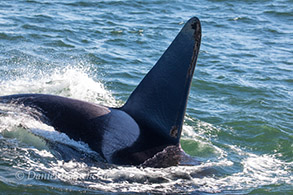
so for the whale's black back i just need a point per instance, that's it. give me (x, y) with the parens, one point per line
(78, 119)
(149, 122)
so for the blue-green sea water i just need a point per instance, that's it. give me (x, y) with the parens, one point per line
(239, 120)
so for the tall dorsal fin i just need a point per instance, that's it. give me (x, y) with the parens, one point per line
(159, 102)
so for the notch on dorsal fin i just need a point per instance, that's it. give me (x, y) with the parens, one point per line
(159, 102)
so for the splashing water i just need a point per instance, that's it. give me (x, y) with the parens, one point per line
(25, 140)
(239, 115)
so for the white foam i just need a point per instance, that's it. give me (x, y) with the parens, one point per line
(69, 82)
(258, 170)
(15, 118)
(202, 132)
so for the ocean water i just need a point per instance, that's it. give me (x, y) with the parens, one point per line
(239, 120)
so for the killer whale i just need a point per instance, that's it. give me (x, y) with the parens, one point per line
(147, 127)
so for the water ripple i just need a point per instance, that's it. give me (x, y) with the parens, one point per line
(239, 114)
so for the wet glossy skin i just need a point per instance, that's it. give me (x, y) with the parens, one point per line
(148, 127)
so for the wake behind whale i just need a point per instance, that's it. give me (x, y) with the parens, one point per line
(147, 129)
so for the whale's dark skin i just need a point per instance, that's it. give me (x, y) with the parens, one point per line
(148, 127)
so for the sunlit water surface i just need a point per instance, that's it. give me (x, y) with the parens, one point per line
(239, 120)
